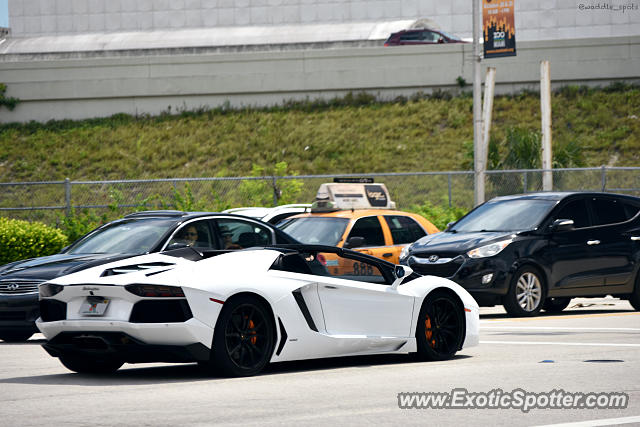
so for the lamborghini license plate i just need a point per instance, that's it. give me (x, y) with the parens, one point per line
(94, 306)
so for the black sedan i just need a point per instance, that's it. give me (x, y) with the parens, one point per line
(537, 251)
(135, 234)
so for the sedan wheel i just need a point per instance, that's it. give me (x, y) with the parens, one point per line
(440, 330)
(634, 298)
(15, 336)
(244, 338)
(526, 293)
(556, 305)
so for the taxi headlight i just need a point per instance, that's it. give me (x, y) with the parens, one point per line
(489, 250)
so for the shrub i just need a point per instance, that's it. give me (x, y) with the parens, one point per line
(77, 224)
(22, 239)
(439, 215)
(263, 192)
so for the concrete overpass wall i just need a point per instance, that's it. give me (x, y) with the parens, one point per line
(535, 19)
(97, 87)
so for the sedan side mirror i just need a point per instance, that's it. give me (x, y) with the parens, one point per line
(176, 245)
(401, 272)
(562, 225)
(354, 242)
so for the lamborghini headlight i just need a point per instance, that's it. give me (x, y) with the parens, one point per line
(489, 250)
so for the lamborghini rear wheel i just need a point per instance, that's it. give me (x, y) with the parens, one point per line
(244, 338)
(440, 330)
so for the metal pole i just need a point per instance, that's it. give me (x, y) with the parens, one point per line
(478, 164)
(545, 106)
(604, 177)
(449, 183)
(487, 109)
(67, 196)
(525, 183)
(275, 191)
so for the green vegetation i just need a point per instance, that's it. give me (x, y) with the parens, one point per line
(439, 215)
(22, 239)
(355, 134)
(9, 103)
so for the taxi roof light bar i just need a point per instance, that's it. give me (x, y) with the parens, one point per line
(356, 193)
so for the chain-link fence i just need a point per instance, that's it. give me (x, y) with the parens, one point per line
(48, 201)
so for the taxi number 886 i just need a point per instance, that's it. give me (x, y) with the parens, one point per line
(362, 269)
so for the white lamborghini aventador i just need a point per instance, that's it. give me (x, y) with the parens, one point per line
(234, 312)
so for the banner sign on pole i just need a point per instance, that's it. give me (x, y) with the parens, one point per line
(498, 28)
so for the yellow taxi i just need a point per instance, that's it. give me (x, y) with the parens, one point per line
(358, 216)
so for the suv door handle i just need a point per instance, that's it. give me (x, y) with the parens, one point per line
(593, 242)
(635, 238)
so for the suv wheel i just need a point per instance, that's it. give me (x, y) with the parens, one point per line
(526, 293)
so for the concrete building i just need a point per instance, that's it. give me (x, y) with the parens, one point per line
(89, 58)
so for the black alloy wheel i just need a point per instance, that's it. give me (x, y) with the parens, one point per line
(440, 330)
(526, 294)
(88, 364)
(555, 305)
(244, 338)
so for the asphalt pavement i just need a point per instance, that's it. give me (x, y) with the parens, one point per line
(591, 347)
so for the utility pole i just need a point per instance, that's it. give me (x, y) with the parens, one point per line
(545, 107)
(479, 165)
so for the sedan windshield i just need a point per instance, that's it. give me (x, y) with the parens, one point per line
(505, 215)
(130, 237)
(315, 230)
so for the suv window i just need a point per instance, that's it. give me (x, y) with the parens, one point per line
(410, 37)
(404, 229)
(577, 211)
(429, 36)
(369, 228)
(608, 211)
(630, 210)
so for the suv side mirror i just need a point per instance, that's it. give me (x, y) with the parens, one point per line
(354, 242)
(401, 272)
(562, 225)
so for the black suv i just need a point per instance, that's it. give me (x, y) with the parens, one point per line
(536, 251)
(135, 234)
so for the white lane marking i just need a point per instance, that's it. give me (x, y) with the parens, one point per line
(559, 328)
(595, 423)
(598, 344)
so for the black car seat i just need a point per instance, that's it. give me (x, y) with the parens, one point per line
(247, 240)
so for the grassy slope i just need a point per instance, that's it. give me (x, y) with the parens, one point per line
(422, 135)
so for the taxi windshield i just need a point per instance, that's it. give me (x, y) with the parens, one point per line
(315, 230)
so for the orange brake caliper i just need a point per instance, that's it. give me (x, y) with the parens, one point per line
(428, 332)
(253, 339)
